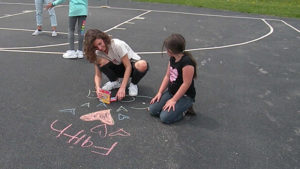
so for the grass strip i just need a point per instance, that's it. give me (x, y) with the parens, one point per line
(281, 8)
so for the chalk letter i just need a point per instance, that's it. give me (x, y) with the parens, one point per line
(60, 131)
(100, 129)
(87, 142)
(106, 149)
(75, 137)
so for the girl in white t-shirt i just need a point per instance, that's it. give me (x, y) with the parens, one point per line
(116, 60)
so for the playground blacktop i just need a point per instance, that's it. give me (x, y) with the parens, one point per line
(247, 104)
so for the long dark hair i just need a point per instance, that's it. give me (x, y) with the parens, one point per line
(176, 43)
(90, 36)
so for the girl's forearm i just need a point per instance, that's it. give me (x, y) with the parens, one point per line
(97, 82)
(163, 85)
(126, 77)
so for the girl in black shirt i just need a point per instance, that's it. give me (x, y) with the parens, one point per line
(171, 105)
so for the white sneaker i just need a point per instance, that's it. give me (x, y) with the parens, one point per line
(79, 54)
(36, 32)
(54, 33)
(111, 85)
(70, 54)
(133, 90)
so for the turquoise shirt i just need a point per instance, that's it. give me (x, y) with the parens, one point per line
(76, 7)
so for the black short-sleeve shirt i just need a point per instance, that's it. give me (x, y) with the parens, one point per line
(176, 79)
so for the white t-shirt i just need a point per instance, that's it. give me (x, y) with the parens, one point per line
(116, 50)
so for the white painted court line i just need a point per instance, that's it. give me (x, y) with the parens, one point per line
(225, 46)
(33, 47)
(127, 21)
(12, 3)
(29, 30)
(24, 12)
(174, 12)
(121, 28)
(198, 14)
(290, 26)
(239, 44)
(62, 44)
(28, 51)
(146, 12)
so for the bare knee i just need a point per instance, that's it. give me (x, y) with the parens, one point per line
(141, 65)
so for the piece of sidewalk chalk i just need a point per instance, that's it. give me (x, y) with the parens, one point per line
(113, 99)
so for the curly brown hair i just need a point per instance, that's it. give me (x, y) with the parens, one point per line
(90, 36)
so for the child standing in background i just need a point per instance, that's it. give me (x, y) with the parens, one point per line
(39, 17)
(173, 104)
(78, 11)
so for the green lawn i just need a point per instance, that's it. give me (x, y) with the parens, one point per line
(282, 8)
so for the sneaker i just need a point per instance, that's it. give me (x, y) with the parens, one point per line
(111, 85)
(133, 90)
(70, 54)
(36, 32)
(54, 33)
(79, 54)
(190, 111)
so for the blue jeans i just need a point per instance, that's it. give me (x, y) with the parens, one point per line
(39, 12)
(181, 107)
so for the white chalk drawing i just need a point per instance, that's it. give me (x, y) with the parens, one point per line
(121, 108)
(122, 116)
(92, 94)
(128, 99)
(102, 104)
(139, 108)
(132, 99)
(85, 104)
(142, 108)
(72, 111)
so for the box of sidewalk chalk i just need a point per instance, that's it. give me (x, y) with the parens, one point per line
(105, 97)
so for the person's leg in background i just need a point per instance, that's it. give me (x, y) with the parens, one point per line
(38, 16)
(71, 54)
(52, 19)
(81, 32)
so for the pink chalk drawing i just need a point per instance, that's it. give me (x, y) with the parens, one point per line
(87, 143)
(103, 148)
(103, 115)
(120, 132)
(100, 129)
